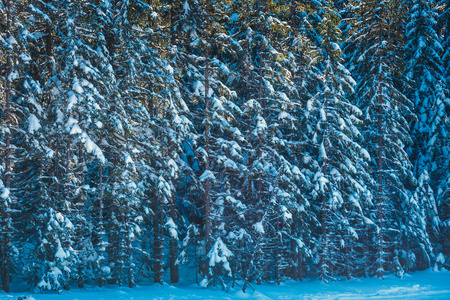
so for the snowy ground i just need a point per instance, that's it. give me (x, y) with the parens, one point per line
(420, 285)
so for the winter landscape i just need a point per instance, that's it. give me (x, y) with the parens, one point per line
(224, 149)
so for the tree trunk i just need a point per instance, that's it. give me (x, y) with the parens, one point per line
(157, 263)
(300, 267)
(347, 251)
(207, 184)
(129, 258)
(277, 255)
(122, 245)
(100, 246)
(261, 85)
(67, 179)
(173, 248)
(407, 255)
(380, 187)
(294, 259)
(260, 96)
(365, 249)
(113, 239)
(325, 267)
(249, 75)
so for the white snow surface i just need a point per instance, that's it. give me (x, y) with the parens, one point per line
(33, 123)
(259, 227)
(207, 175)
(420, 285)
(5, 193)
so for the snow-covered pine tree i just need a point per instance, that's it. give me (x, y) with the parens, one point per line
(306, 78)
(425, 69)
(122, 196)
(147, 118)
(78, 111)
(272, 186)
(217, 141)
(163, 126)
(377, 67)
(59, 170)
(21, 113)
(342, 174)
(9, 75)
(99, 209)
(172, 113)
(430, 150)
(182, 22)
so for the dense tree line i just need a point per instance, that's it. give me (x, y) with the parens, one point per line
(238, 140)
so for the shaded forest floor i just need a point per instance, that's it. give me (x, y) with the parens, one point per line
(419, 285)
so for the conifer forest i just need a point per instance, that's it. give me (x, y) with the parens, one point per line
(222, 140)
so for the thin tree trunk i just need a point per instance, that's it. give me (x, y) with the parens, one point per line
(365, 249)
(277, 256)
(157, 247)
(249, 87)
(67, 179)
(261, 85)
(129, 258)
(100, 225)
(79, 210)
(324, 211)
(407, 255)
(173, 248)
(260, 96)
(259, 182)
(49, 52)
(324, 256)
(300, 266)
(347, 251)
(121, 252)
(380, 187)
(113, 240)
(207, 184)
(294, 258)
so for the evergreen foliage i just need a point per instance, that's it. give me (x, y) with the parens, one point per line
(238, 140)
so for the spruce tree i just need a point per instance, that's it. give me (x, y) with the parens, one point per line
(21, 118)
(430, 132)
(377, 67)
(273, 183)
(340, 181)
(204, 50)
